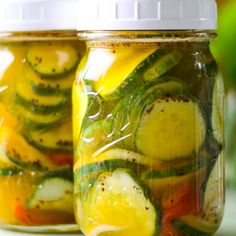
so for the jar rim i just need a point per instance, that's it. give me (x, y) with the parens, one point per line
(38, 35)
(148, 36)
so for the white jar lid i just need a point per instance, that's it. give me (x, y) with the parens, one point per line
(37, 15)
(146, 15)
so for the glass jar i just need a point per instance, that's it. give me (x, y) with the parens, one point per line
(37, 69)
(148, 132)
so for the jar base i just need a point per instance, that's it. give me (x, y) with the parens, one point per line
(42, 229)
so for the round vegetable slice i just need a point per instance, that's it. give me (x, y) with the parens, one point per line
(52, 194)
(39, 121)
(194, 226)
(141, 98)
(57, 138)
(91, 140)
(214, 195)
(160, 64)
(170, 128)
(53, 59)
(23, 155)
(189, 230)
(160, 181)
(117, 205)
(43, 86)
(36, 103)
(217, 109)
(117, 77)
(123, 154)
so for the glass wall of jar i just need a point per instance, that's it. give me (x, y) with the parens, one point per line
(148, 134)
(38, 60)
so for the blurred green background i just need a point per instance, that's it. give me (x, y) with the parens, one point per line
(224, 50)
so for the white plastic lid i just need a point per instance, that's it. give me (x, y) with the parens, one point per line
(146, 15)
(37, 15)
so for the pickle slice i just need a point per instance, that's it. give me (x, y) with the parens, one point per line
(161, 64)
(121, 73)
(117, 205)
(170, 128)
(43, 86)
(52, 194)
(193, 226)
(39, 104)
(53, 59)
(25, 156)
(57, 139)
(217, 115)
(38, 121)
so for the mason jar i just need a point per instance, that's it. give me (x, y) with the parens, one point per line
(148, 120)
(39, 53)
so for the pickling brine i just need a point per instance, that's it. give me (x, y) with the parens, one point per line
(148, 136)
(36, 177)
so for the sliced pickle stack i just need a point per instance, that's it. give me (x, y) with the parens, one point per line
(36, 137)
(144, 162)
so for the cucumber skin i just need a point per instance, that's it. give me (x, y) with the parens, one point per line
(41, 109)
(65, 173)
(188, 230)
(136, 78)
(28, 202)
(34, 166)
(34, 125)
(68, 149)
(9, 171)
(138, 75)
(164, 63)
(107, 165)
(54, 75)
(48, 149)
(49, 91)
(172, 172)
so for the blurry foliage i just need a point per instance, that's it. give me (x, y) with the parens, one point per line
(224, 48)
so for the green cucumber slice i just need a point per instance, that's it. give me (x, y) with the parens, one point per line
(92, 139)
(214, 194)
(193, 226)
(160, 181)
(9, 171)
(160, 63)
(23, 155)
(147, 65)
(111, 80)
(43, 86)
(213, 207)
(57, 138)
(38, 121)
(133, 105)
(26, 97)
(65, 173)
(118, 206)
(170, 127)
(184, 169)
(123, 154)
(217, 116)
(53, 59)
(52, 194)
(106, 165)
